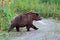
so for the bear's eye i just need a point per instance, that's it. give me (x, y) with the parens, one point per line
(36, 14)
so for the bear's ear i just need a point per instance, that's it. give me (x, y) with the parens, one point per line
(29, 12)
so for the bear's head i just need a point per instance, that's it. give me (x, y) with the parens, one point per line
(35, 16)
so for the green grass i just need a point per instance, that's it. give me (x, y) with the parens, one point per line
(5, 35)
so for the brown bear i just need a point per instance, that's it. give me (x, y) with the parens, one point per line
(24, 20)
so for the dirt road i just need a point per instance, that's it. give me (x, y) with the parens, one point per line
(48, 31)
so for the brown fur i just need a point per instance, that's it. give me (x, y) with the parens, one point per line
(24, 20)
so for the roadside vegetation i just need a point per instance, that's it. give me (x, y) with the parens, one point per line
(10, 8)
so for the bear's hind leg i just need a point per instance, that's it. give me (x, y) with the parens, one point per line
(11, 27)
(17, 28)
(28, 28)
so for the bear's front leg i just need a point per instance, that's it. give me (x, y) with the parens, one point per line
(34, 27)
